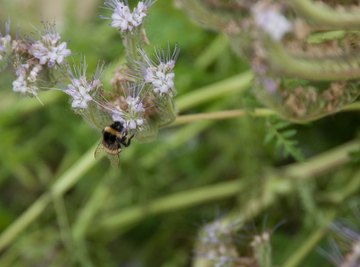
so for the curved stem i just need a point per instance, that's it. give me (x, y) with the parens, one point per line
(229, 114)
(220, 115)
(237, 83)
(173, 202)
(276, 185)
(311, 69)
(327, 16)
(64, 182)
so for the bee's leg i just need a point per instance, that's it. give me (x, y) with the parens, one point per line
(127, 142)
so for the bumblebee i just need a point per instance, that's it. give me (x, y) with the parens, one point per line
(114, 137)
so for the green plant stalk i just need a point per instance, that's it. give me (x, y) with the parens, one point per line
(326, 16)
(275, 185)
(64, 182)
(220, 115)
(173, 202)
(64, 227)
(88, 213)
(300, 254)
(235, 84)
(304, 249)
(13, 105)
(212, 52)
(309, 69)
(320, 164)
(229, 114)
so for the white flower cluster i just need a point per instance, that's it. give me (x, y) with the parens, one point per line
(161, 77)
(132, 118)
(50, 50)
(123, 19)
(26, 79)
(272, 22)
(80, 89)
(5, 42)
(160, 74)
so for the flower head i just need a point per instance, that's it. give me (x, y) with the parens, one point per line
(131, 113)
(81, 89)
(5, 42)
(272, 22)
(123, 18)
(26, 79)
(49, 49)
(159, 74)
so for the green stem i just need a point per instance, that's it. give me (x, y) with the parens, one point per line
(211, 52)
(274, 186)
(322, 163)
(88, 213)
(325, 15)
(220, 115)
(298, 256)
(237, 83)
(312, 69)
(12, 105)
(173, 202)
(229, 114)
(65, 182)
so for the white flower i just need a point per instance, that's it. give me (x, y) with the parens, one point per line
(5, 42)
(34, 73)
(49, 50)
(132, 117)
(80, 89)
(123, 19)
(26, 79)
(160, 73)
(20, 85)
(272, 22)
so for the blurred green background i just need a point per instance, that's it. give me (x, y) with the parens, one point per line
(82, 212)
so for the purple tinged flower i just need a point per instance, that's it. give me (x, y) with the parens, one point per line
(159, 74)
(26, 79)
(80, 89)
(49, 50)
(5, 41)
(123, 18)
(272, 22)
(132, 118)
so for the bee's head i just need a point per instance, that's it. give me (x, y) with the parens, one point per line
(118, 126)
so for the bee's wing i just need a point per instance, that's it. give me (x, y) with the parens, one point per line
(97, 116)
(114, 160)
(166, 113)
(147, 132)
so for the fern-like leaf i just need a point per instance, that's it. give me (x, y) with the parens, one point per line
(282, 135)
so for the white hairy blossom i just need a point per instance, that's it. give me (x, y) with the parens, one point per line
(160, 74)
(5, 44)
(272, 22)
(81, 89)
(26, 79)
(49, 49)
(123, 18)
(132, 118)
(5, 41)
